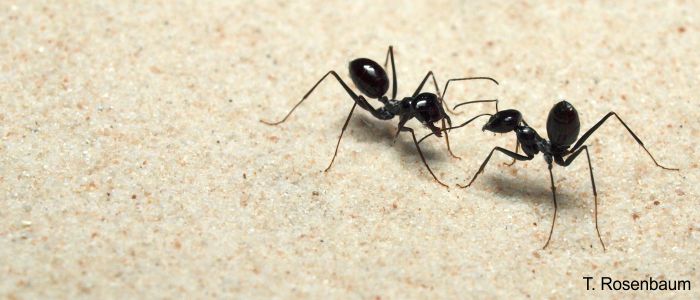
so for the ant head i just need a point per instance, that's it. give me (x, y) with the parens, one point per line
(427, 109)
(369, 77)
(563, 124)
(504, 121)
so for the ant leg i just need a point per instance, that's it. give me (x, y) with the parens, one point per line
(399, 128)
(341, 136)
(447, 140)
(595, 127)
(347, 89)
(554, 198)
(361, 101)
(483, 165)
(566, 163)
(422, 83)
(444, 91)
(517, 146)
(421, 155)
(390, 53)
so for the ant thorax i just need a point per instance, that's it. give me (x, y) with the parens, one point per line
(394, 107)
(531, 142)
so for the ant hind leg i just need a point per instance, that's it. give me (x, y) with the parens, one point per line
(341, 136)
(597, 125)
(568, 162)
(554, 198)
(359, 100)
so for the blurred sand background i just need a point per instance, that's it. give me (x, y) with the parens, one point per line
(133, 164)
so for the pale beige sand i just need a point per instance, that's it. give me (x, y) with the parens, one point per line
(133, 163)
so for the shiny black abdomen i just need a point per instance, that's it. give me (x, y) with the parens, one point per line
(563, 125)
(369, 77)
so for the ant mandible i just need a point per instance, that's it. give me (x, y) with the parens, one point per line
(562, 130)
(372, 80)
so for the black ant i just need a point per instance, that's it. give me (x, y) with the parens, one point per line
(563, 127)
(372, 80)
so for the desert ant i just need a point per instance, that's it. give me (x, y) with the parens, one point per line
(372, 80)
(563, 127)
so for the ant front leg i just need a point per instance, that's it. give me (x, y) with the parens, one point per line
(568, 162)
(483, 165)
(421, 155)
(517, 146)
(595, 127)
(447, 137)
(399, 128)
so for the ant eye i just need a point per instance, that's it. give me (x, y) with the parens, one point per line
(427, 108)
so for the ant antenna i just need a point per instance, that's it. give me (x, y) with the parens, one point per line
(455, 127)
(444, 91)
(477, 101)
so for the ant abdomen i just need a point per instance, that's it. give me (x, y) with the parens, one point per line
(563, 124)
(369, 77)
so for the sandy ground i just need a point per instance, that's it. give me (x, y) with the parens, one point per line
(133, 162)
